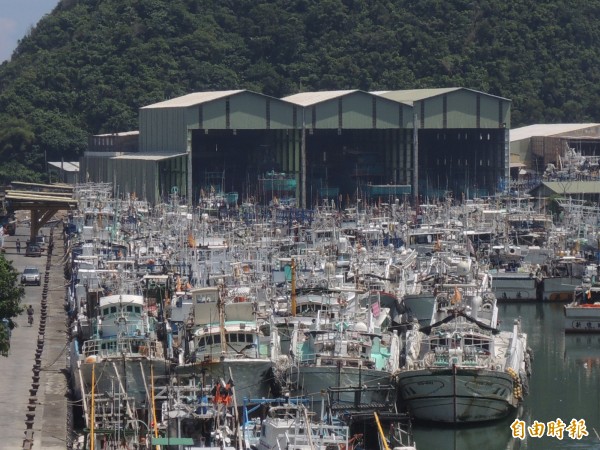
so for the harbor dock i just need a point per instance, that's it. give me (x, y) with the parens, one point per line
(33, 381)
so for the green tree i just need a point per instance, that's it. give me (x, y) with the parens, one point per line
(15, 138)
(11, 295)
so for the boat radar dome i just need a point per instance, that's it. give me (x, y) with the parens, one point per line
(360, 327)
(463, 268)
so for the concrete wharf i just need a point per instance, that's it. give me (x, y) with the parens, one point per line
(34, 400)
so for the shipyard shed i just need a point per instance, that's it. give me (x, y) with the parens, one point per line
(538, 145)
(233, 138)
(63, 172)
(248, 143)
(354, 141)
(311, 146)
(461, 141)
(578, 191)
(115, 158)
(149, 176)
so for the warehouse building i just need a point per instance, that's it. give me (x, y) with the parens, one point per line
(536, 146)
(309, 146)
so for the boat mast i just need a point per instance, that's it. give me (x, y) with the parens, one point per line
(221, 308)
(92, 424)
(293, 287)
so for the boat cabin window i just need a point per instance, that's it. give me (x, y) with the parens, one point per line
(438, 343)
(209, 340)
(424, 238)
(129, 308)
(137, 309)
(323, 235)
(113, 309)
(310, 308)
(240, 337)
(480, 344)
(105, 311)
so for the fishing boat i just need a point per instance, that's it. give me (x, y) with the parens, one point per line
(387, 428)
(513, 278)
(565, 275)
(226, 341)
(292, 426)
(345, 353)
(582, 315)
(466, 369)
(123, 348)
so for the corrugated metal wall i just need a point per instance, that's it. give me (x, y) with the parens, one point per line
(392, 114)
(281, 115)
(163, 130)
(135, 176)
(463, 109)
(358, 111)
(247, 111)
(434, 112)
(324, 116)
(93, 168)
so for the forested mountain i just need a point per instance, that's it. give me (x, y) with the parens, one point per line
(89, 65)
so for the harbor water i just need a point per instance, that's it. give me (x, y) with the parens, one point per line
(565, 385)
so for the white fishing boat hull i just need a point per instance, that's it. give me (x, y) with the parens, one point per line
(582, 319)
(519, 286)
(560, 289)
(457, 395)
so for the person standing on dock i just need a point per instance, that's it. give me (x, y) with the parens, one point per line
(18, 245)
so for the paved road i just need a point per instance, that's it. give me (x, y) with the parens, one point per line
(16, 372)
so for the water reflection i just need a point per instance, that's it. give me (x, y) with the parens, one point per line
(494, 436)
(565, 385)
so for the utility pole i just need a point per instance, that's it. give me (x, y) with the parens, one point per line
(303, 161)
(415, 180)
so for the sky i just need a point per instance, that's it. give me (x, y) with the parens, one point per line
(16, 18)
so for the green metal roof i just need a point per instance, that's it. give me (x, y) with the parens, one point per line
(192, 99)
(413, 95)
(556, 129)
(149, 156)
(312, 98)
(573, 187)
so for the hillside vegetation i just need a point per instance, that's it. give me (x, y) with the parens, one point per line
(89, 65)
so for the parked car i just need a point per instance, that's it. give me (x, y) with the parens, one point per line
(33, 250)
(31, 275)
(41, 241)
